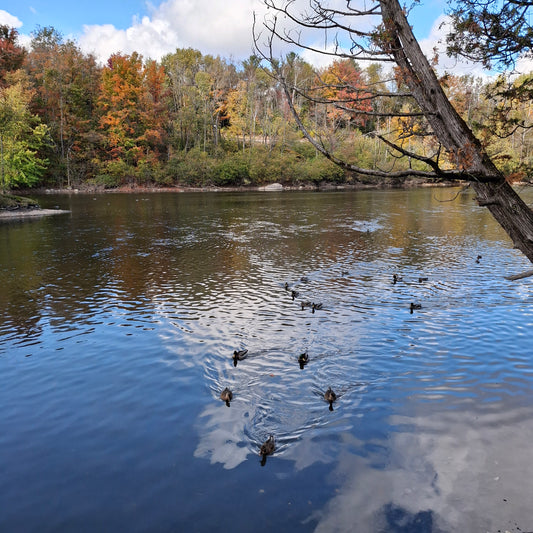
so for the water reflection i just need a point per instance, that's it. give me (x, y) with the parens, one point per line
(133, 306)
(445, 472)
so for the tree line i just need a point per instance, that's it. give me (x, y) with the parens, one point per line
(198, 120)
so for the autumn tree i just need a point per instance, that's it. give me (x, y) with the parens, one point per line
(131, 101)
(380, 31)
(66, 83)
(342, 85)
(11, 53)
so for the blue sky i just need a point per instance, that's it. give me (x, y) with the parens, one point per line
(69, 17)
(218, 27)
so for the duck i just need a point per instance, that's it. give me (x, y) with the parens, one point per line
(294, 294)
(396, 278)
(414, 306)
(239, 355)
(287, 287)
(303, 359)
(305, 304)
(420, 280)
(316, 306)
(330, 397)
(267, 448)
(226, 396)
(304, 279)
(478, 258)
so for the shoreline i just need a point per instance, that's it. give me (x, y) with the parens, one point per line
(11, 214)
(271, 187)
(36, 212)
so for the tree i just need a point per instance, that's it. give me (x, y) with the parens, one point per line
(11, 54)
(495, 34)
(22, 137)
(457, 154)
(66, 82)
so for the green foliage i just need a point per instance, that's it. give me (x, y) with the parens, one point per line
(104, 180)
(194, 168)
(10, 201)
(22, 136)
(234, 170)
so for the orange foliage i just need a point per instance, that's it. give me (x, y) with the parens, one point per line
(343, 86)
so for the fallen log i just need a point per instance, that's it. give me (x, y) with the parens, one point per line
(520, 276)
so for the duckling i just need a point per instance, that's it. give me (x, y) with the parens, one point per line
(330, 397)
(267, 448)
(315, 306)
(305, 304)
(294, 294)
(420, 280)
(478, 258)
(287, 286)
(226, 396)
(303, 359)
(396, 278)
(239, 355)
(414, 306)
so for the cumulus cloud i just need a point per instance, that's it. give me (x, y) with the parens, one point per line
(9, 20)
(217, 27)
(209, 26)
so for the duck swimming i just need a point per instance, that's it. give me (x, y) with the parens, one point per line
(420, 280)
(330, 397)
(294, 294)
(287, 286)
(414, 306)
(396, 278)
(226, 396)
(303, 359)
(305, 304)
(239, 355)
(267, 448)
(315, 306)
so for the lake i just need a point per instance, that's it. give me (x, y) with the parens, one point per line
(118, 322)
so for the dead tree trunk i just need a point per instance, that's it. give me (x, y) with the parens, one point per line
(492, 190)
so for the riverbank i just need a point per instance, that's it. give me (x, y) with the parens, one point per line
(29, 213)
(272, 187)
(12, 207)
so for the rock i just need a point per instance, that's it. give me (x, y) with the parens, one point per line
(272, 187)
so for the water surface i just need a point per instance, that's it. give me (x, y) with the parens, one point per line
(117, 325)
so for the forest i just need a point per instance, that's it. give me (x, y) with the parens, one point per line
(195, 120)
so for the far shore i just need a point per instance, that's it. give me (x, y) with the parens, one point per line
(34, 211)
(272, 187)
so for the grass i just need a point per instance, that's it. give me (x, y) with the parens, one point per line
(11, 202)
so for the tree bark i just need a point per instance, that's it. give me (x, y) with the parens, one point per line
(492, 190)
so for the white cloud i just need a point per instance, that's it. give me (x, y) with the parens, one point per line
(209, 26)
(436, 41)
(217, 27)
(9, 20)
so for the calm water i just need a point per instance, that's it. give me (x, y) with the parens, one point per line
(117, 325)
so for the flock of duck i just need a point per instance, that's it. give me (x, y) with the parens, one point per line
(269, 446)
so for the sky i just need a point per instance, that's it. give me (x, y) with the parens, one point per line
(155, 28)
